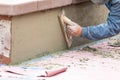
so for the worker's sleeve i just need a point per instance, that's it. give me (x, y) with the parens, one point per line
(108, 5)
(101, 31)
(108, 29)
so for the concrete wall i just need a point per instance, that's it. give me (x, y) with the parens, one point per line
(39, 33)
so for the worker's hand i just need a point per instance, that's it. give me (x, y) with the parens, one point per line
(75, 30)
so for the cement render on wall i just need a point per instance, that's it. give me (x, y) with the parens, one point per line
(39, 33)
(36, 34)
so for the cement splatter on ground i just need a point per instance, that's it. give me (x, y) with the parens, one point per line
(99, 61)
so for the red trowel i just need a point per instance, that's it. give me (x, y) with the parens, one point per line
(68, 37)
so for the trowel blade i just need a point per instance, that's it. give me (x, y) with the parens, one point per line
(68, 37)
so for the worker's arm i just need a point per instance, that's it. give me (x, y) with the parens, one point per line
(108, 29)
(101, 31)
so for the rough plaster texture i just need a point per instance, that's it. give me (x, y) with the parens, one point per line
(39, 33)
(5, 37)
(86, 14)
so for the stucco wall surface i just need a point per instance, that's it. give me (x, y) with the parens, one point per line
(36, 34)
(39, 33)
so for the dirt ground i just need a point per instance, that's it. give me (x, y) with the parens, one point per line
(97, 61)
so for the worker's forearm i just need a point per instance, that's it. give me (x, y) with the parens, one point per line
(101, 31)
